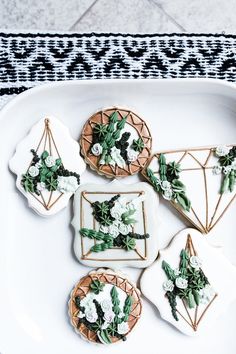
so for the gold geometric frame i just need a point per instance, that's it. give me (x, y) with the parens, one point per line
(48, 142)
(102, 117)
(193, 321)
(210, 220)
(107, 277)
(86, 255)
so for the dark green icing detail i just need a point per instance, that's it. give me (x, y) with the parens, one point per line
(96, 286)
(47, 175)
(196, 280)
(171, 173)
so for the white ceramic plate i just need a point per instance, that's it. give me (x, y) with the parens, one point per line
(37, 265)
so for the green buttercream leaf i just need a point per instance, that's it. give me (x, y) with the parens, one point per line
(96, 286)
(44, 155)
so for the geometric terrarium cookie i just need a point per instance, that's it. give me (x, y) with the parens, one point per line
(116, 142)
(116, 225)
(48, 166)
(104, 307)
(191, 283)
(200, 182)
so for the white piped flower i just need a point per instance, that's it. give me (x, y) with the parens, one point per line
(38, 164)
(41, 186)
(113, 230)
(67, 184)
(104, 229)
(117, 210)
(50, 161)
(206, 294)
(227, 169)
(125, 229)
(105, 325)
(96, 149)
(181, 283)
(195, 262)
(168, 285)
(91, 316)
(167, 194)
(109, 316)
(165, 186)
(122, 328)
(87, 300)
(116, 156)
(233, 165)
(81, 315)
(217, 170)
(102, 162)
(132, 155)
(106, 305)
(177, 271)
(222, 150)
(33, 171)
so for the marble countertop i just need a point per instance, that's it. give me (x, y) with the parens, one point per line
(133, 16)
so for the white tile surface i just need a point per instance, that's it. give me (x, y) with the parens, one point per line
(119, 15)
(126, 16)
(41, 14)
(202, 15)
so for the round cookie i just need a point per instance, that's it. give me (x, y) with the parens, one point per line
(116, 142)
(104, 307)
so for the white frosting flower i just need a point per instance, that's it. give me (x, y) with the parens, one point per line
(109, 316)
(167, 194)
(104, 229)
(222, 150)
(38, 164)
(106, 305)
(195, 262)
(96, 149)
(117, 210)
(132, 155)
(50, 161)
(168, 285)
(206, 294)
(165, 186)
(177, 271)
(102, 162)
(125, 229)
(116, 156)
(81, 315)
(105, 325)
(121, 314)
(33, 171)
(181, 283)
(67, 184)
(41, 186)
(91, 316)
(217, 170)
(122, 328)
(227, 169)
(233, 165)
(87, 300)
(113, 230)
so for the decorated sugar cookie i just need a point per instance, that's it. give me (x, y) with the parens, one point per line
(191, 283)
(104, 307)
(200, 183)
(116, 225)
(116, 142)
(48, 166)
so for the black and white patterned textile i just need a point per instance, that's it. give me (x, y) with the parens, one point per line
(30, 59)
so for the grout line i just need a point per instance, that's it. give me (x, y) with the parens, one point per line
(83, 15)
(160, 7)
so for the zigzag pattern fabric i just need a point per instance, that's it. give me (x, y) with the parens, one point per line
(30, 59)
